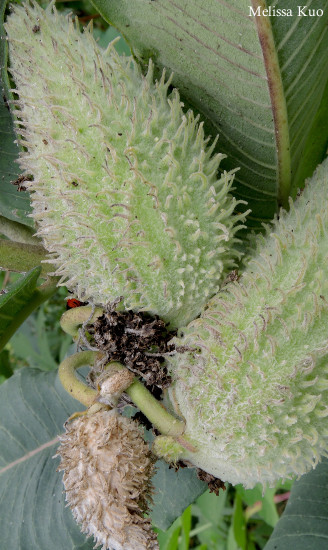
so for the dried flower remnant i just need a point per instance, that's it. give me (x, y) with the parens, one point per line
(137, 341)
(107, 468)
(214, 483)
(20, 182)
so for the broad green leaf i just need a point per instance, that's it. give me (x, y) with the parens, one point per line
(258, 81)
(33, 408)
(20, 300)
(174, 491)
(304, 524)
(14, 205)
(316, 146)
(15, 301)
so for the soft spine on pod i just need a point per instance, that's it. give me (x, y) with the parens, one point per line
(125, 190)
(254, 390)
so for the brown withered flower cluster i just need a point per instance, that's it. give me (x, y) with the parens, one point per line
(137, 341)
(107, 469)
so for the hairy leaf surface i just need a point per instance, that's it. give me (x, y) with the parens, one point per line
(174, 491)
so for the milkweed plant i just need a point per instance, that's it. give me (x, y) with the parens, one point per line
(217, 334)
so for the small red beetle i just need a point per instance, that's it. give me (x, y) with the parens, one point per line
(74, 302)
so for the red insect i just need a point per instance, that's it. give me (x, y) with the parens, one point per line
(73, 302)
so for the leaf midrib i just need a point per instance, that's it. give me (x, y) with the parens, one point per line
(278, 103)
(29, 455)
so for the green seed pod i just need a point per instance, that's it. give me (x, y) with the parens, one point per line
(253, 387)
(125, 189)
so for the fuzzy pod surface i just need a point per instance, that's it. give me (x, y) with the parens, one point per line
(254, 390)
(107, 469)
(125, 190)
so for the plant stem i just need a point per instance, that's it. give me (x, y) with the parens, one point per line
(154, 411)
(76, 388)
(73, 318)
(142, 398)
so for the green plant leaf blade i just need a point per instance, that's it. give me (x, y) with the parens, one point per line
(316, 146)
(33, 408)
(304, 524)
(13, 204)
(15, 300)
(20, 300)
(174, 491)
(258, 81)
(5, 367)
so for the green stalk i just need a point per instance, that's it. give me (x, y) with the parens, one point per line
(142, 398)
(154, 411)
(72, 385)
(73, 318)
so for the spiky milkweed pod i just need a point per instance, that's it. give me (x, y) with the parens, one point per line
(254, 389)
(107, 469)
(125, 187)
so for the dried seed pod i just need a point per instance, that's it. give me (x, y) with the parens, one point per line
(254, 392)
(107, 469)
(125, 187)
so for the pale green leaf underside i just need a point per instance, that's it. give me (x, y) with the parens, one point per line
(304, 524)
(259, 85)
(33, 409)
(174, 491)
